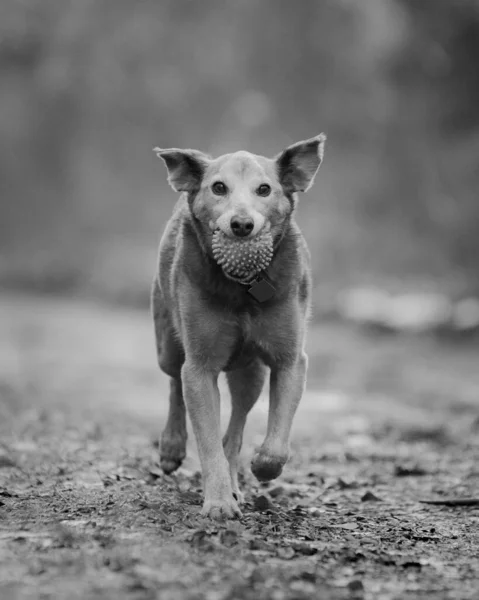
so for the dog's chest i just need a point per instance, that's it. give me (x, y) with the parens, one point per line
(242, 354)
(259, 338)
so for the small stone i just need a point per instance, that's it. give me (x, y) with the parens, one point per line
(370, 497)
(262, 503)
(356, 585)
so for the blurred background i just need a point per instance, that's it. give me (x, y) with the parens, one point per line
(89, 88)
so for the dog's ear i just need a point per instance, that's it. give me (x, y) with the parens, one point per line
(298, 164)
(185, 167)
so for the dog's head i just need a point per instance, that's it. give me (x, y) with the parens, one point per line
(243, 195)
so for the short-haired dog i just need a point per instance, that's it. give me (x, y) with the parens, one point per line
(232, 293)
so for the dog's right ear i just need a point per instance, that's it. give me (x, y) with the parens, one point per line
(185, 167)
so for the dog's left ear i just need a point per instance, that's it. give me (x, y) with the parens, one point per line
(298, 164)
(185, 167)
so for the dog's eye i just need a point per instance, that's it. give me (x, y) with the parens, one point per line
(264, 190)
(219, 188)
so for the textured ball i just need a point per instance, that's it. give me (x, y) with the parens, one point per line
(242, 258)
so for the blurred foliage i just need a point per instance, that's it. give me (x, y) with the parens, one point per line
(89, 88)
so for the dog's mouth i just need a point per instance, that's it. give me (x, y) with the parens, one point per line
(242, 259)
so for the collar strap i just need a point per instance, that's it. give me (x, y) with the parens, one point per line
(260, 286)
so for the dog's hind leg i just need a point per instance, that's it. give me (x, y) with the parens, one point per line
(170, 359)
(173, 438)
(245, 386)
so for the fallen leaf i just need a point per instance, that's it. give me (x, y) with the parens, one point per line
(190, 497)
(146, 504)
(453, 502)
(300, 509)
(7, 494)
(414, 471)
(411, 564)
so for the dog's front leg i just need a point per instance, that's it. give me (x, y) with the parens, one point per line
(286, 388)
(201, 394)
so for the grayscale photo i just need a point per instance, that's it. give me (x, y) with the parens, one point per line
(239, 300)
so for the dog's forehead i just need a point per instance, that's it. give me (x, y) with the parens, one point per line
(243, 165)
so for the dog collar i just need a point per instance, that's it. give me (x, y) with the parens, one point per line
(260, 286)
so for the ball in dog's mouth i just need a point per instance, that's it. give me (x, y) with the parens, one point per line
(242, 258)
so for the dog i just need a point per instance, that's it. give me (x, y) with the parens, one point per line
(232, 293)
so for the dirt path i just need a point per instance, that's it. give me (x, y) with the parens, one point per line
(85, 512)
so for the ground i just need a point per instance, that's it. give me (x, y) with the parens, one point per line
(85, 512)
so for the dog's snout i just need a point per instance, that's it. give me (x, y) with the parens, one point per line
(241, 226)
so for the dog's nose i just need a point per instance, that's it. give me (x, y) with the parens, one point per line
(241, 226)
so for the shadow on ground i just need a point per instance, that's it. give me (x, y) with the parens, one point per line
(85, 512)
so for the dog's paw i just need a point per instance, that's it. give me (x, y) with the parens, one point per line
(169, 465)
(266, 467)
(172, 454)
(221, 509)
